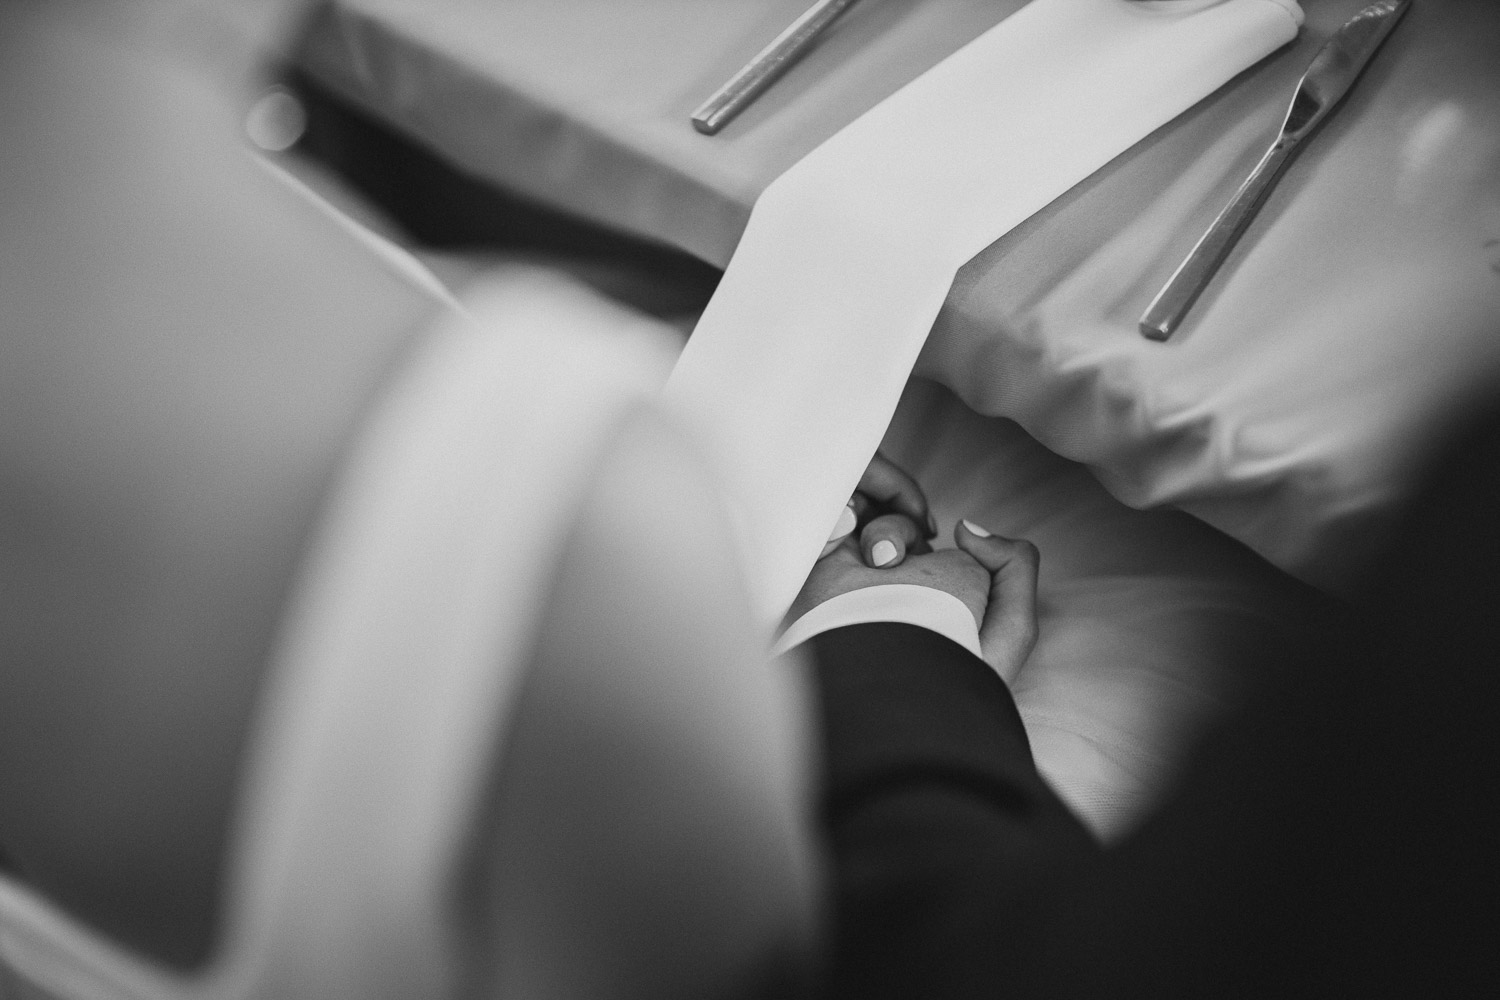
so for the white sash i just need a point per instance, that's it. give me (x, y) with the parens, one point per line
(796, 366)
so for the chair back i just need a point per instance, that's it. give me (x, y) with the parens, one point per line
(520, 738)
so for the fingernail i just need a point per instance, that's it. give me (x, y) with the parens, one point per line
(975, 529)
(931, 524)
(846, 523)
(883, 552)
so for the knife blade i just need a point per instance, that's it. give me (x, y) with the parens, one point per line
(1328, 79)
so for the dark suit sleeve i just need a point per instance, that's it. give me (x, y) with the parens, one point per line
(943, 836)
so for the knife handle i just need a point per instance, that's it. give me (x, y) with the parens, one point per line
(762, 71)
(1172, 303)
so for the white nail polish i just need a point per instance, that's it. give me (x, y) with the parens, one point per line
(975, 529)
(883, 552)
(846, 523)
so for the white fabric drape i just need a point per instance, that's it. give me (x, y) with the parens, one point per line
(796, 366)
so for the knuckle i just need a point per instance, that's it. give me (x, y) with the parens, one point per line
(896, 523)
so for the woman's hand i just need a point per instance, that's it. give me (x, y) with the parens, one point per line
(994, 577)
(887, 505)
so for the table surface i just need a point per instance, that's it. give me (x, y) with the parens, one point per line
(1366, 292)
(585, 105)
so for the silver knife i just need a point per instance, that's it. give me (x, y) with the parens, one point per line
(1332, 73)
(762, 71)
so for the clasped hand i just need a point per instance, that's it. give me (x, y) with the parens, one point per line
(995, 577)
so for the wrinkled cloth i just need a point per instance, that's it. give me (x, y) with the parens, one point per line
(795, 367)
(1353, 322)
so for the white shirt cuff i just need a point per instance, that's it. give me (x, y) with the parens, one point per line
(926, 607)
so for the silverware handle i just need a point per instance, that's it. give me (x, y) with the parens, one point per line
(1172, 303)
(770, 63)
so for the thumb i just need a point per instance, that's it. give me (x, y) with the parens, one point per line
(1009, 630)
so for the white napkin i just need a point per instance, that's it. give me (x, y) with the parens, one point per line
(796, 366)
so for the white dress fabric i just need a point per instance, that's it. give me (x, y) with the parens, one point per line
(1151, 624)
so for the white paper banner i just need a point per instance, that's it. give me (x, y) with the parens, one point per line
(796, 366)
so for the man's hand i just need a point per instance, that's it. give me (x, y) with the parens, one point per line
(844, 570)
(1007, 632)
(994, 577)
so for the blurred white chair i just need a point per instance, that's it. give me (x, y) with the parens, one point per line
(520, 738)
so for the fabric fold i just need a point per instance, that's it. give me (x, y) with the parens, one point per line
(796, 366)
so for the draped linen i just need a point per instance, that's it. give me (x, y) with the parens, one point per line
(793, 372)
